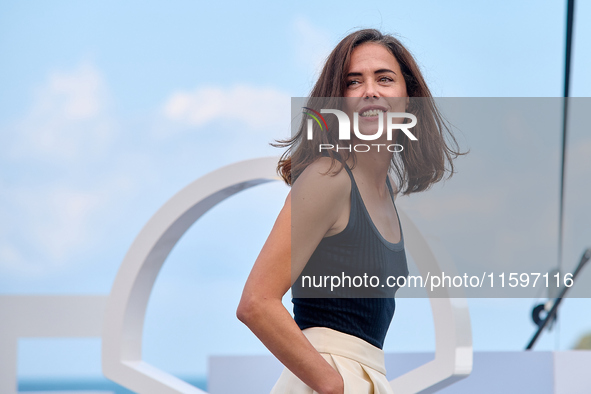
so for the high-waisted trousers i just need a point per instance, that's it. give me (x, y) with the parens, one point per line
(360, 364)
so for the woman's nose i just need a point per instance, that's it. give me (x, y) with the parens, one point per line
(371, 90)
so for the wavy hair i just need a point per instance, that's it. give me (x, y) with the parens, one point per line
(420, 164)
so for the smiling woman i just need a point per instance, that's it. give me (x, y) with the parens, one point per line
(345, 224)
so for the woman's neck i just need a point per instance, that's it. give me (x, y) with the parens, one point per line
(372, 167)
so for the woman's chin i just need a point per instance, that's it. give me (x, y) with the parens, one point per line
(370, 130)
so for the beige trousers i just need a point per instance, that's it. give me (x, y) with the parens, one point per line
(360, 364)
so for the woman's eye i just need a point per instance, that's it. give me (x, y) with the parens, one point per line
(349, 83)
(386, 79)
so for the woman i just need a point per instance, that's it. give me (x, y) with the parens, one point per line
(345, 220)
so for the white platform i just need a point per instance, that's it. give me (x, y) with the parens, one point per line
(567, 372)
(67, 392)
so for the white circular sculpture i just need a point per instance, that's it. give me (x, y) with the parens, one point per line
(128, 300)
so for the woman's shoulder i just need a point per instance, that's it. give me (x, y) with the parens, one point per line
(325, 171)
(323, 184)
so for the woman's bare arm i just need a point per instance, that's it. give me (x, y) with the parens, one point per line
(316, 202)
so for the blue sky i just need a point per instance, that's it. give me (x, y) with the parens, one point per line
(102, 120)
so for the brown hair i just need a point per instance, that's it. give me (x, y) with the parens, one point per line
(420, 164)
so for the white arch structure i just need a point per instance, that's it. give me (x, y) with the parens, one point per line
(126, 306)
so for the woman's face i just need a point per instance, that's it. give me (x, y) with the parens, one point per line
(374, 85)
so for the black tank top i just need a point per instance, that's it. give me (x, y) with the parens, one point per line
(365, 312)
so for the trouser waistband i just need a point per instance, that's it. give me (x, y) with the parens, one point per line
(327, 340)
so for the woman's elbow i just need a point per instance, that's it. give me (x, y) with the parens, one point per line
(247, 309)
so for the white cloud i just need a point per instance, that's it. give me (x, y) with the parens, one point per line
(50, 224)
(258, 108)
(68, 118)
(312, 44)
(65, 224)
(11, 257)
(81, 92)
(56, 155)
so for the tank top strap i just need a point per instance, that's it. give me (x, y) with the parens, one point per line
(350, 173)
(348, 170)
(355, 184)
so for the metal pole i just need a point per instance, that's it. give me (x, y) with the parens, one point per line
(586, 256)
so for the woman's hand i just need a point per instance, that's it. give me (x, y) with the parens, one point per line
(336, 387)
(311, 208)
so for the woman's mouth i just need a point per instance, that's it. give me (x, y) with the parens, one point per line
(371, 112)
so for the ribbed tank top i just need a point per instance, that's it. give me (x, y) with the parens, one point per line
(357, 250)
